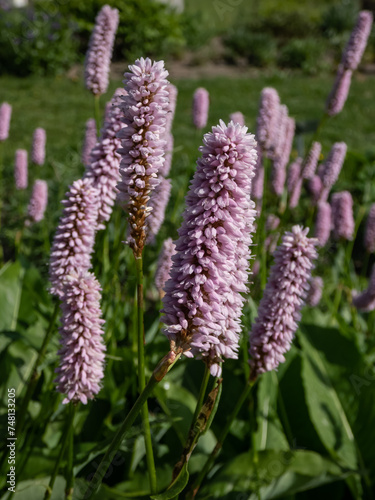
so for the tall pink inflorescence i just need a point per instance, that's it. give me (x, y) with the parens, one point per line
(339, 92)
(342, 215)
(323, 223)
(143, 146)
(237, 117)
(201, 103)
(203, 301)
(267, 120)
(164, 265)
(356, 45)
(314, 293)
(21, 169)
(5, 116)
(38, 201)
(315, 187)
(311, 162)
(365, 301)
(370, 230)
(38, 149)
(294, 174)
(284, 295)
(172, 95)
(82, 351)
(99, 53)
(158, 202)
(332, 167)
(282, 150)
(89, 141)
(104, 164)
(74, 239)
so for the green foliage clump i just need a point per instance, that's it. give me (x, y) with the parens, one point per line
(306, 54)
(259, 49)
(36, 42)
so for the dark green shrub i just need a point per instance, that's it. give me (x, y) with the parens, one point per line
(258, 48)
(34, 41)
(306, 54)
(339, 19)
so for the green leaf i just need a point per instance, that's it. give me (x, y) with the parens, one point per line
(325, 409)
(35, 489)
(176, 487)
(11, 276)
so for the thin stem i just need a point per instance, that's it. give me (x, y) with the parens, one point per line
(64, 442)
(202, 392)
(97, 112)
(35, 374)
(69, 466)
(142, 378)
(158, 374)
(220, 440)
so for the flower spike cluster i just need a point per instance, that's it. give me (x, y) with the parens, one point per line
(201, 102)
(284, 295)
(332, 167)
(267, 118)
(339, 92)
(74, 239)
(38, 151)
(89, 141)
(203, 301)
(370, 230)
(5, 115)
(38, 201)
(356, 45)
(164, 265)
(104, 164)
(323, 223)
(99, 53)
(81, 367)
(143, 147)
(342, 215)
(20, 169)
(311, 162)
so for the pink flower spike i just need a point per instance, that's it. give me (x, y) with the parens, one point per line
(158, 202)
(89, 141)
(340, 91)
(267, 120)
(370, 230)
(342, 215)
(203, 300)
(20, 169)
(201, 102)
(332, 166)
(279, 309)
(38, 150)
(314, 293)
(237, 117)
(5, 115)
(356, 45)
(38, 201)
(311, 162)
(82, 352)
(165, 263)
(323, 223)
(99, 53)
(365, 301)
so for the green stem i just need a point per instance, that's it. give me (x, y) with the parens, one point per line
(69, 466)
(35, 374)
(202, 393)
(97, 112)
(220, 440)
(142, 378)
(158, 374)
(64, 442)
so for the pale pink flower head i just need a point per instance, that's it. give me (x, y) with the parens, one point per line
(311, 162)
(5, 115)
(203, 300)
(267, 120)
(237, 117)
(82, 351)
(89, 141)
(314, 293)
(164, 265)
(38, 201)
(99, 53)
(281, 150)
(340, 91)
(143, 146)
(74, 239)
(279, 309)
(38, 150)
(201, 103)
(331, 168)
(323, 223)
(370, 230)
(356, 45)
(342, 215)
(295, 195)
(20, 169)
(315, 187)
(104, 165)
(294, 174)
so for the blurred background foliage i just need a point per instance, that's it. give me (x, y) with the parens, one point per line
(272, 33)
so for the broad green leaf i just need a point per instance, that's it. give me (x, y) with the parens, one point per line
(176, 487)
(35, 489)
(11, 276)
(325, 408)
